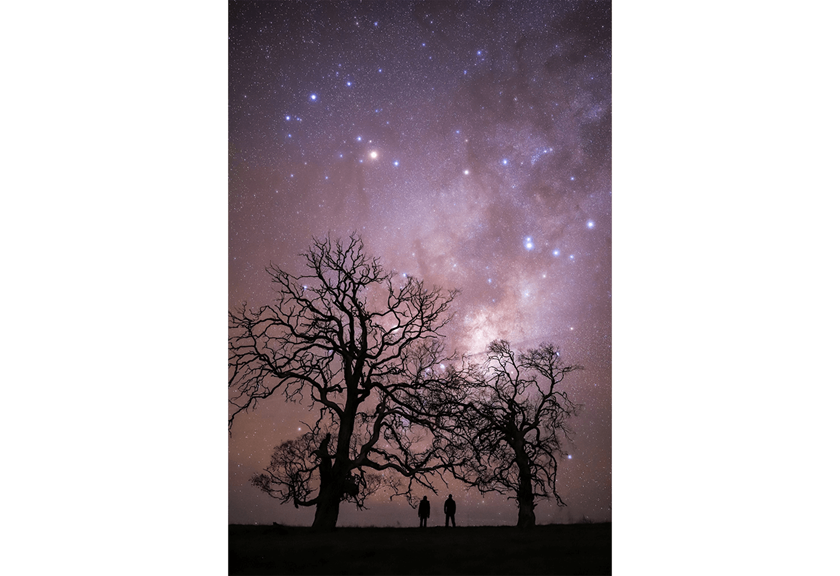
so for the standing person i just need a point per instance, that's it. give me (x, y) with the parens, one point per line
(424, 511)
(449, 510)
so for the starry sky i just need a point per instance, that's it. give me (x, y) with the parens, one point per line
(469, 144)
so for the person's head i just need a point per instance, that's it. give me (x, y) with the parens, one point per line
(424, 497)
(450, 496)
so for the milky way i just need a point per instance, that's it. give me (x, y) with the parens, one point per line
(468, 143)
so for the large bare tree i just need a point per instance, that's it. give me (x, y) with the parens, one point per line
(359, 346)
(508, 423)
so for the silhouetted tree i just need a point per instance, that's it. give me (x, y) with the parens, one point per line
(507, 425)
(295, 468)
(359, 346)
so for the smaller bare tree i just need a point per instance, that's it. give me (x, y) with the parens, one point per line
(507, 427)
(293, 474)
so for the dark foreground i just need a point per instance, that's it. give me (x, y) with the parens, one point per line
(555, 549)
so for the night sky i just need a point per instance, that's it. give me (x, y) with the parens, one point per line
(469, 144)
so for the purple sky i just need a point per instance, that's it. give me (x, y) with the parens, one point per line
(469, 144)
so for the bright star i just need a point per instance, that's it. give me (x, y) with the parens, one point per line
(590, 224)
(504, 161)
(396, 162)
(529, 243)
(556, 252)
(466, 172)
(373, 154)
(313, 96)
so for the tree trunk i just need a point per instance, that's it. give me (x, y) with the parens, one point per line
(329, 498)
(525, 493)
(330, 491)
(334, 472)
(326, 511)
(527, 518)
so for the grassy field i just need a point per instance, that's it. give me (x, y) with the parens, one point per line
(554, 549)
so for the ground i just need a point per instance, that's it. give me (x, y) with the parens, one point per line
(553, 549)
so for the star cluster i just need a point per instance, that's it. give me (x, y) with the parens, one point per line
(468, 144)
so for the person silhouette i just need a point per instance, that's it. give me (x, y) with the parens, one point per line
(449, 510)
(423, 511)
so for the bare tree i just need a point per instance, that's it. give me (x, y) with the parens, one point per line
(358, 345)
(507, 425)
(293, 474)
